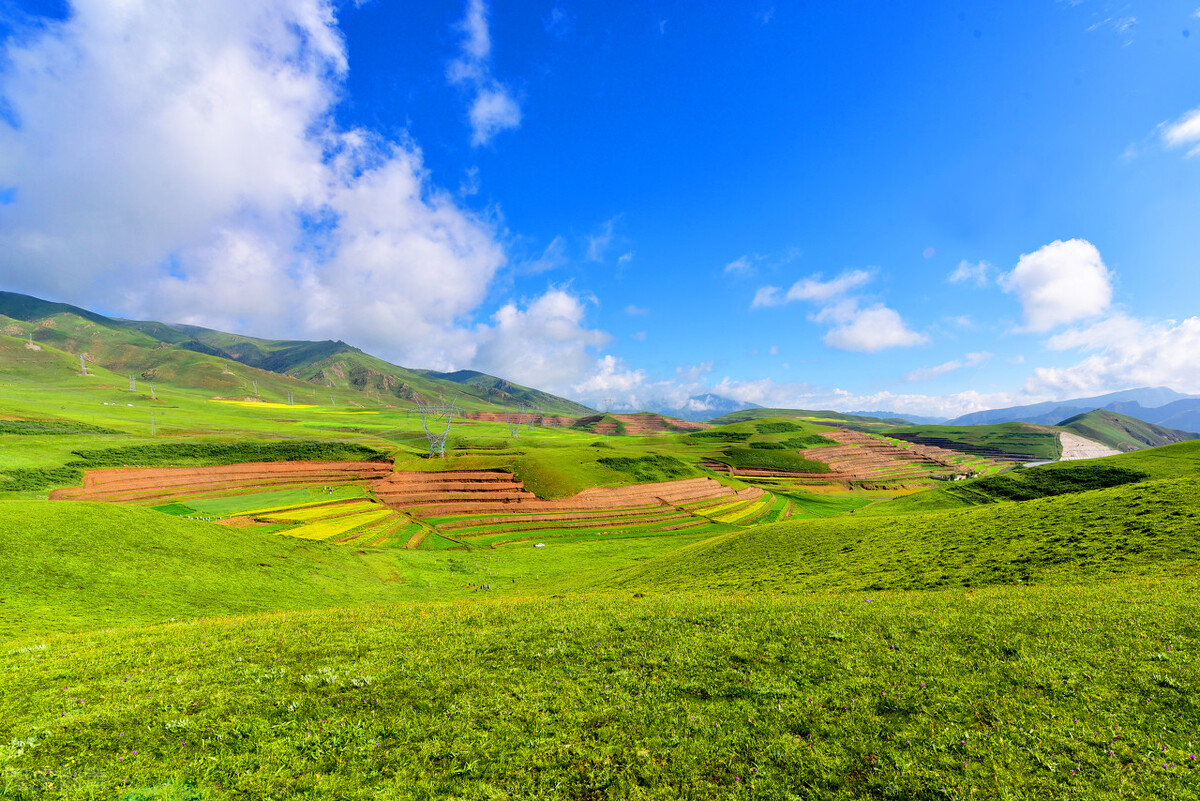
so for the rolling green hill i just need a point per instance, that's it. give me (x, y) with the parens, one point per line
(202, 358)
(1168, 461)
(1121, 431)
(1014, 441)
(824, 416)
(1092, 535)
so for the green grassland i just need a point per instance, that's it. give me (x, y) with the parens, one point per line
(1018, 440)
(1052, 479)
(1045, 692)
(824, 417)
(1084, 536)
(1028, 635)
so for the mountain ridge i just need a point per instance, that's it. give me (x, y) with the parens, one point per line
(154, 350)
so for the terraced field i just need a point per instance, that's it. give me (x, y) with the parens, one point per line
(365, 503)
(873, 459)
(325, 501)
(493, 508)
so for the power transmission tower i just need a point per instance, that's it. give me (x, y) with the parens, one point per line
(535, 417)
(608, 402)
(82, 365)
(514, 421)
(436, 420)
(152, 395)
(132, 384)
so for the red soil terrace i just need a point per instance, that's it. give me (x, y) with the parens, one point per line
(149, 484)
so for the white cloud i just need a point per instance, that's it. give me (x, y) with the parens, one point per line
(766, 296)
(927, 373)
(492, 107)
(873, 329)
(811, 288)
(978, 274)
(1184, 131)
(782, 395)
(693, 373)
(599, 241)
(1127, 352)
(1060, 283)
(181, 161)
(858, 329)
(740, 265)
(545, 345)
(553, 257)
(635, 311)
(558, 23)
(609, 375)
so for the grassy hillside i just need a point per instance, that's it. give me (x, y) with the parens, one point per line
(226, 363)
(1133, 529)
(1171, 461)
(1017, 441)
(1123, 432)
(824, 416)
(1046, 692)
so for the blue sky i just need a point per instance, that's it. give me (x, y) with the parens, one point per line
(931, 208)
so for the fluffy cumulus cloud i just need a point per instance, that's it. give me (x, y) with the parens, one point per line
(546, 345)
(872, 329)
(1124, 352)
(611, 377)
(181, 160)
(1060, 283)
(492, 106)
(1184, 132)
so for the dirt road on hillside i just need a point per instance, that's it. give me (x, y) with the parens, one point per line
(1077, 447)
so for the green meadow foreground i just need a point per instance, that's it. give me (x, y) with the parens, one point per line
(795, 625)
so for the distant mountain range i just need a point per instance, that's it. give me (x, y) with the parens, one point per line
(700, 407)
(1157, 405)
(161, 351)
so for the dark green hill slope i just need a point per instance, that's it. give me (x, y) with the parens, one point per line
(506, 393)
(1059, 478)
(1123, 432)
(1014, 441)
(1146, 528)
